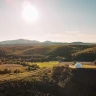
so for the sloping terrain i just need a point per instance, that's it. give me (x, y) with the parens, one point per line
(86, 54)
(51, 52)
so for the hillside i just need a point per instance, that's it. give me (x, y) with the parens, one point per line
(19, 41)
(49, 52)
(88, 54)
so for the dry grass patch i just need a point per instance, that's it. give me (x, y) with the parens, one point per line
(12, 67)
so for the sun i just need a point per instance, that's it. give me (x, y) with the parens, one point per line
(30, 13)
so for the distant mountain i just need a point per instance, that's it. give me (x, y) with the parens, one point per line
(25, 41)
(50, 42)
(47, 42)
(19, 41)
(80, 43)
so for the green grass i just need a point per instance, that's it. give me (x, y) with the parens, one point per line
(54, 63)
(46, 64)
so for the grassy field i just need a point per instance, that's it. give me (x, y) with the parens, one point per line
(25, 74)
(85, 64)
(12, 67)
(45, 64)
(54, 63)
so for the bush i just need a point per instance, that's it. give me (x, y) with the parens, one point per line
(61, 75)
(5, 71)
(74, 62)
(30, 68)
(33, 67)
(24, 64)
(45, 77)
(18, 71)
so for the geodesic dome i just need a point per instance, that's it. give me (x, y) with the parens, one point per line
(78, 65)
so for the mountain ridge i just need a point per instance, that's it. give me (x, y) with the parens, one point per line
(26, 41)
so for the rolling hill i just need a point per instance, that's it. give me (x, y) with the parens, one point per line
(25, 41)
(19, 41)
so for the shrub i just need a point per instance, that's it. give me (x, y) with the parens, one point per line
(45, 77)
(33, 67)
(74, 62)
(61, 75)
(17, 62)
(30, 69)
(5, 71)
(24, 63)
(18, 71)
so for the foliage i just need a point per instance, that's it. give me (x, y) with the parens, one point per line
(45, 76)
(5, 71)
(60, 59)
(32, 67)
(24, 88)
(85, 55)
(18, 71)
(61, 75)
(38, 53)
(74, 62)
(24, 63)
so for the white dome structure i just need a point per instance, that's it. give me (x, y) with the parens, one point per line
(78, 65)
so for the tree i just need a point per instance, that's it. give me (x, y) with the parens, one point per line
(61, 75)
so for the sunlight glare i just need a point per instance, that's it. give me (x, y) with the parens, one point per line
(30, 13)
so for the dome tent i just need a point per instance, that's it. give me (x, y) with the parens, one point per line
(78, 65)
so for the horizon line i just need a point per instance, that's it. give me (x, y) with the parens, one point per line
(46, 40)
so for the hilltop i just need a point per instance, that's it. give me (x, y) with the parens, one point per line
(26, 41)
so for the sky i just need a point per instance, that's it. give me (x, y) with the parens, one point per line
(58, 20)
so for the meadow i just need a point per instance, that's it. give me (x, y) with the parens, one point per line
(54, 63)
(46, 64)
(12, 66)
(43, 66)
